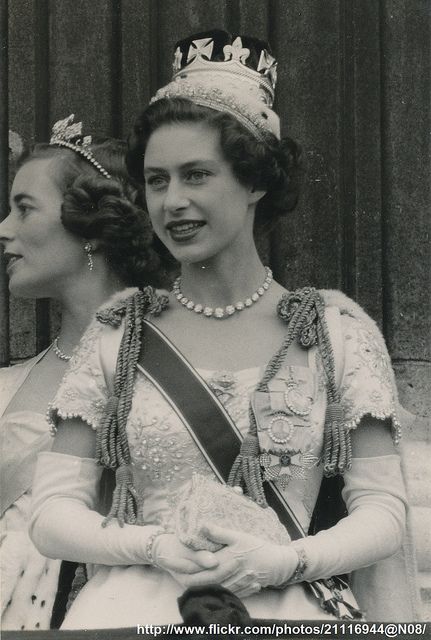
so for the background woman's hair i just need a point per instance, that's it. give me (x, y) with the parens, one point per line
(109, 210)
(273, 166)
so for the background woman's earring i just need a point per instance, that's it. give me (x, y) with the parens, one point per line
(88, 248)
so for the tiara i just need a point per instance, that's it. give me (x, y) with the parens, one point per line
(226, 73)
(66, 133)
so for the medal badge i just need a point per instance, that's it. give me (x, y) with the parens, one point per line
(283, 420)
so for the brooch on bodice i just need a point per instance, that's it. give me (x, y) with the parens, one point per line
(296, 402)
(222, 384)
(282, 466)
(283, 417)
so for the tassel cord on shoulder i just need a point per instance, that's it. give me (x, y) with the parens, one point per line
(304, 313)
(337, 444)
(112, 443)
(246, 468)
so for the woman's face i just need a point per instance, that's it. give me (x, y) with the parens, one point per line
(42, 255)
(197, 206)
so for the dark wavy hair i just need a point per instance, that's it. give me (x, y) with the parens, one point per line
(107, 209)
(273, 166)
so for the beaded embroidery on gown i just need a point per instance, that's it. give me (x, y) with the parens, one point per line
(164, 457)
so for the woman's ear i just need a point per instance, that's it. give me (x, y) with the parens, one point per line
(255, 195)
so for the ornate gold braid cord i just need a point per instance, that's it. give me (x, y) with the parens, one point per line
(112, 448)
(304, 313)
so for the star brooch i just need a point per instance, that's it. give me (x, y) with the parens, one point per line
(282, 466)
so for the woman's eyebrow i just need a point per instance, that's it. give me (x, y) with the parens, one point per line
(187, 165)
(23, 196)
(198, 161)
(154, 170)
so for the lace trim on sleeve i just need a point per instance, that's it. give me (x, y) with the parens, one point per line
(368, 386)
(53, 415)
(83, 391)
(380, 415)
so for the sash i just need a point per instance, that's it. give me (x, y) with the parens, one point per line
(219, 440)
(204, 416)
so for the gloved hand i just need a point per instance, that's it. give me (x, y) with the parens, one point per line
(190, 567)
(260, 563)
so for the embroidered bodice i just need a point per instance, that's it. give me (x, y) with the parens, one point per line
(164, 455)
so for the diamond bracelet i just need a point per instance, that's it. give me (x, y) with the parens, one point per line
(150, 544)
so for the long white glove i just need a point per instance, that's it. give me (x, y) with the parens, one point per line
(375, 497)
(64, 524)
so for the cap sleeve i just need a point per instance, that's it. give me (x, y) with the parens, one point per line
(84, 389)
(368, 381)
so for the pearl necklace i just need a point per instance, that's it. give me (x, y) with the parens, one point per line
(58, 352)
(220, 312)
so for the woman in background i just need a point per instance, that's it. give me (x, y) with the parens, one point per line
(75, 234)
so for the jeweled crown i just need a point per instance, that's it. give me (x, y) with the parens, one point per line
(67, 133)
(246, 59)
(230, 73)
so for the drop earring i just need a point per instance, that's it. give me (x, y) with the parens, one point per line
(88, 248)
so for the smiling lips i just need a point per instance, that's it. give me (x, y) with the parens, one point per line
(184, 230)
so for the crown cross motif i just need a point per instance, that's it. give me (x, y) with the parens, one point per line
(215, 70)
(202, 48)
(268, 65)
(236, 51)
(178, 56)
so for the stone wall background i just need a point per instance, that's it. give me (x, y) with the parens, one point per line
(354, 87)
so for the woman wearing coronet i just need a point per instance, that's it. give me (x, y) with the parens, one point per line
(254, 385)
(76, 234)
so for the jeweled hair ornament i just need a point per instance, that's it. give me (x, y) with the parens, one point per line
(66, 133)
(233, 74)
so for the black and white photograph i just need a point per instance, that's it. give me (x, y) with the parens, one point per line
(215, 319)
